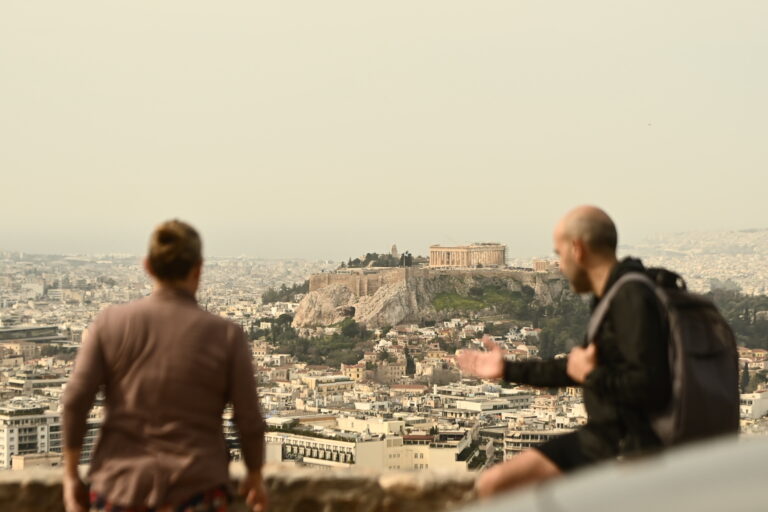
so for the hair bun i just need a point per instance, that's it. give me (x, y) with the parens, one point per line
(166, 236)
(174, 248)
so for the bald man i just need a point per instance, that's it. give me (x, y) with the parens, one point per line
(624, 371)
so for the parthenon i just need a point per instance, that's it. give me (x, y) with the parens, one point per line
(484, 254)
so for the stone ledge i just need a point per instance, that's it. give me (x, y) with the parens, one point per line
(291, 490)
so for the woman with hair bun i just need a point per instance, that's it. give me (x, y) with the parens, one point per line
(167, 369)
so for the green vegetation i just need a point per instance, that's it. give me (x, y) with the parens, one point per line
(375, 259)
(351, 329)
(345, 347)
(280, 329)
(562, 323)
(454, 302)
(284, 293)
(372, 259)
(410, 364)
(501, 300)
(744, 378)
(755, 379)
(449, 346)
(741, 312)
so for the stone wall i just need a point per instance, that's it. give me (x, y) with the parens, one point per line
(366, 282)
(362, 283)
(290, 490)
(407, 294)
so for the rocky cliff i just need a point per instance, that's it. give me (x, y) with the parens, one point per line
(412, 299)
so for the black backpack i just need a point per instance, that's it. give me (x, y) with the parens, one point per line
(703, 360)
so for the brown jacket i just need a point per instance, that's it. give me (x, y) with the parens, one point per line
(168, 369)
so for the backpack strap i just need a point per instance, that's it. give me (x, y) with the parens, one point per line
(598, 315)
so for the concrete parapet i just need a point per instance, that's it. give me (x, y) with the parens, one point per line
(290, 489)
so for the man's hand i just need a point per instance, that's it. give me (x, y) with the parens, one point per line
(75, 494)
(581, 362)
(486, 365)
(252, 487)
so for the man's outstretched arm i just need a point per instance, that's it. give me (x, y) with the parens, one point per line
(491, 365)
(551, 373)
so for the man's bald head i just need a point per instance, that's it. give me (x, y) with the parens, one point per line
(593, 227)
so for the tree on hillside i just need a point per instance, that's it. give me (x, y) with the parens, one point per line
(745, 314)
(410, 364)
(758, 378)
(284, 293)
(745, 378)
(351, 329)
(546, 345)
(374, 259)
(385, 357)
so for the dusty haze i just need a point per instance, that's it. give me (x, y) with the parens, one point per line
(325, 129)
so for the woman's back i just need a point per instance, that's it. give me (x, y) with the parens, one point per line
(166, 359)
(168, 369)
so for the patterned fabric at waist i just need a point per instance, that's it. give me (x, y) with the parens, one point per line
(213, 500)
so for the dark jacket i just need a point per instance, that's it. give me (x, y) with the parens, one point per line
(632, 378)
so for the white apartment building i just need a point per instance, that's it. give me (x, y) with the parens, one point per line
(29, 384)
(94, 421)
(474, 408)
(27, 429)
(370, 425)
(754, 405)
(328, 453)
(380, 453)
(495, 405)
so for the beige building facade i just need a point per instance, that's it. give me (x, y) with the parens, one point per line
(355, 372)
(381, 453)
(545, 265)
(328, 384)
(468, 256)
(26, 349)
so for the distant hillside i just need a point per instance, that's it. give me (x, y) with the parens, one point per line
(707, 258)
(425, 295)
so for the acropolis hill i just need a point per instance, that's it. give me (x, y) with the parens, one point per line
(390, 296)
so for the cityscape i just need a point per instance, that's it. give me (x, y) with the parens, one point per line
(395, 218)
(348, 377)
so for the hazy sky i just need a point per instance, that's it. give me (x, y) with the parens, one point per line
(329, 128)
